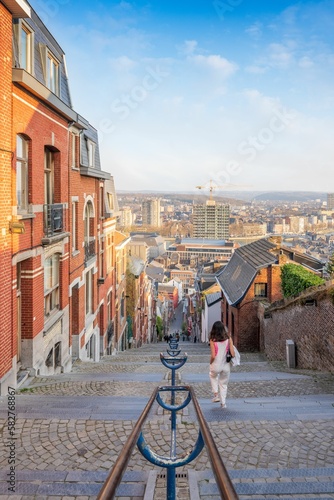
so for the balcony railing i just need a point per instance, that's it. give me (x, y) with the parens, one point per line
(54, 219)
(89, 248)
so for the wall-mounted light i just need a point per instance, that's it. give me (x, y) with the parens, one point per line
(17, 227)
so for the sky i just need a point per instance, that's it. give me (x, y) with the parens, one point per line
(239, 92)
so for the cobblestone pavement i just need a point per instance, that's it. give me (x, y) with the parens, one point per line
(47, 446)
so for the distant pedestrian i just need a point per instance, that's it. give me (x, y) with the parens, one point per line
(220, 343)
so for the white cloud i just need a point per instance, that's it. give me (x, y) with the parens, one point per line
(280, 55)
(256, 70)
(122, 63)
(217, 63)
(305, 62)
(189, 47)
(255, 30)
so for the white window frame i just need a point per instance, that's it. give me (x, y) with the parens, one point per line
(52, 72)
(89, 292)
(74, 163)
(91, 147)
(51, 284)
(74, 227)
(109, 252)
(22, 173)
(49, 162)
(26, 49)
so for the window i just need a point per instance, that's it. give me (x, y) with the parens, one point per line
(51, 284)
(21, 173)
(101, 202)
(109, 252)
(110, 201)
(122, 309)
(48, 177)
(74, 162)
(101, 259)
(109, 308)
(52, 73)
(74, 227)
(89, 292)
(26, 45)
(91, 153)
(260, 289)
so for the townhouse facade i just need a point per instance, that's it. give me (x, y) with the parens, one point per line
(58, 212)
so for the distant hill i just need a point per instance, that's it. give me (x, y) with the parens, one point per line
(291, 196)
(233, 197)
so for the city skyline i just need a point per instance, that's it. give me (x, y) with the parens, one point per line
(234, 91)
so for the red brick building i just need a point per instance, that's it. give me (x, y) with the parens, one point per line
(58, 211)
(252, 274)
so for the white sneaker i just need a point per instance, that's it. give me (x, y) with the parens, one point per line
(224, 405)
(216, 399)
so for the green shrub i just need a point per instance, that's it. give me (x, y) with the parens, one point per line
(296, 278)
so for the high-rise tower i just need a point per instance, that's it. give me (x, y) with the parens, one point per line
(211, 220)
(330, 201)
(151, 212)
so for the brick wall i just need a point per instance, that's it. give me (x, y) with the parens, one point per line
(6, 339)
(311, 327)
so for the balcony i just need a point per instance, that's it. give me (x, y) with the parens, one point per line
(89, 248)
(54, 219)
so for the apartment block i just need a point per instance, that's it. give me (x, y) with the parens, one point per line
(151, 212)
(211, 220)
(330, 201)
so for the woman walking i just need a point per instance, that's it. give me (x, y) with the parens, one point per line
(220, 344)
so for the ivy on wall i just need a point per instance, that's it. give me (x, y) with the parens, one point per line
(296, 278)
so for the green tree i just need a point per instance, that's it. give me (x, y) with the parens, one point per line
(159, 328)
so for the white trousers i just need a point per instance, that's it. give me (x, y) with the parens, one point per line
(219, 381)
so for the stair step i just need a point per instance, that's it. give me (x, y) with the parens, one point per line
(274, 483)
(250, 484)
(73, 483)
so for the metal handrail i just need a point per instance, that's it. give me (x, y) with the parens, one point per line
(115, 475)
(222, 477)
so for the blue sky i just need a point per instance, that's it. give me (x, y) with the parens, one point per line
(181, 92)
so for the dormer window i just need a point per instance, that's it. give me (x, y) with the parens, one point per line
(23, 45)
(52, 73)
(91, 153)
(26, 46)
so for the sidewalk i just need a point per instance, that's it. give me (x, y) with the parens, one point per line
(275, 437)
